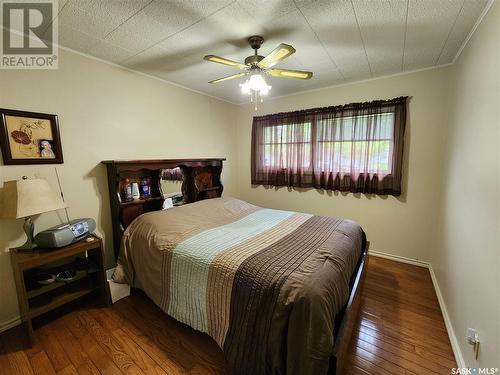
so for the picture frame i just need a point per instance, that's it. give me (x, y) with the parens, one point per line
(29, 138)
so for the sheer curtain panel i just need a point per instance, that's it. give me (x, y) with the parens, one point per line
(356, 147)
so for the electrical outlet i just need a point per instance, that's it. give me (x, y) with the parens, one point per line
(472, 338)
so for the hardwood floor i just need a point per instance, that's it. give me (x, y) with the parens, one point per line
(400, 330)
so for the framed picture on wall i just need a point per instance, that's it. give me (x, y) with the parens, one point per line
(29, 138)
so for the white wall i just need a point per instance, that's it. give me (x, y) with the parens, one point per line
(466, 258)
(403, 226)
(106, 112)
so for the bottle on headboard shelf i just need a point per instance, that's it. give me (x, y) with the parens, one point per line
(145, 188)
(135, 191)
(127, 190)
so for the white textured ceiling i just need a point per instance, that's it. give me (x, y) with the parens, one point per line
(340, 41)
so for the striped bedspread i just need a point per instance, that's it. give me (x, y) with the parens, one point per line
(265, 284)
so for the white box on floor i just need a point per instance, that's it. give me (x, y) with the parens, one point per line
(117, 291)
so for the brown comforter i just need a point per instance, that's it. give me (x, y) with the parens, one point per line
(265, 284)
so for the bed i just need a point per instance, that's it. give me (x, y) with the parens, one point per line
(275, 289)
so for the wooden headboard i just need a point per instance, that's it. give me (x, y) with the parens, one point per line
(200, 180)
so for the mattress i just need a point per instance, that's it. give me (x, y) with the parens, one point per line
(265, 284)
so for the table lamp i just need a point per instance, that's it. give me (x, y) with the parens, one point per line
(25, 198)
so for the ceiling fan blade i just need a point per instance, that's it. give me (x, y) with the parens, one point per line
(299, 74)
(222, 60)
(237, 75)
(280, 53)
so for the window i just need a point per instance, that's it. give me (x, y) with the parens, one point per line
(283, 140)
(357, 147)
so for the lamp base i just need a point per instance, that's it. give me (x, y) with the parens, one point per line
(29, 229)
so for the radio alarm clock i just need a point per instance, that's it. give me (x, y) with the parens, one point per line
(63, 235)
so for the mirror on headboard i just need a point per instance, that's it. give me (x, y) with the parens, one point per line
(171, 181)
(128, 180)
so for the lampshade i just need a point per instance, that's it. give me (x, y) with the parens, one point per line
(27, 197)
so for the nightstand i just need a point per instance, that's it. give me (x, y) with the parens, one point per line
(36, 300)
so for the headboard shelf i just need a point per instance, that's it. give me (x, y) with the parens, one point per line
(201, 179)
(141, 201)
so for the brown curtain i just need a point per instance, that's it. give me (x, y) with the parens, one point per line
(356, 147)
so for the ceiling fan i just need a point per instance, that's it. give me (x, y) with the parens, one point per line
(256, 66)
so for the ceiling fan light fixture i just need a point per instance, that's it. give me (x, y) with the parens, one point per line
(255, 84)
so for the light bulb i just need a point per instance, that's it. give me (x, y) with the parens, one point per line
(255, 84)
(245, 88)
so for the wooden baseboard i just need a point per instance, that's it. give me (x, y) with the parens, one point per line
(398, 258)
(447, 321)
(457, 352)
(4, 326)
